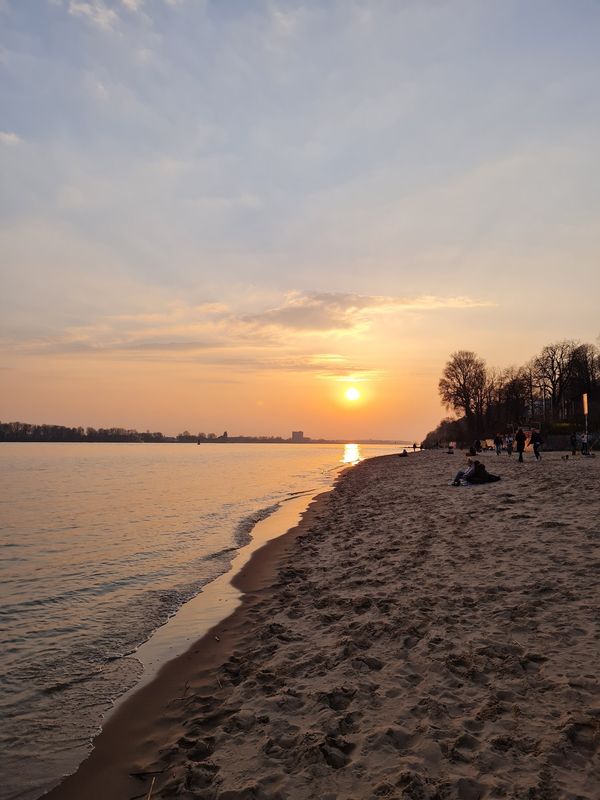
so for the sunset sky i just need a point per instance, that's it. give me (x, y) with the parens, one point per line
(221, 214)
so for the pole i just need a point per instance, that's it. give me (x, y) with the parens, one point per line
(585, 414)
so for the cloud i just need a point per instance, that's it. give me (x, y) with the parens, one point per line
(9, 139)
(275, 338)
(95, 12)
(133, 5)
(314, 311)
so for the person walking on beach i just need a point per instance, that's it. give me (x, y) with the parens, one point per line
(509, 444)
(414, 447)
(535, 440)
(520, 440)
(498, 443)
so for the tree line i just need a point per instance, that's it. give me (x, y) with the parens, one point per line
(546, 391)
(27, 432)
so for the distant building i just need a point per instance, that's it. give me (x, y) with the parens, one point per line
(297, 436)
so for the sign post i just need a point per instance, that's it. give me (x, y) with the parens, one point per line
(585, 414)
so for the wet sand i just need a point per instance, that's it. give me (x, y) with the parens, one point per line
(409, 639)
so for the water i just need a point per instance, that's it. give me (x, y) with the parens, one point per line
(100, 544)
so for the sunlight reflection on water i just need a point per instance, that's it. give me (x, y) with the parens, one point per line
(351, 454)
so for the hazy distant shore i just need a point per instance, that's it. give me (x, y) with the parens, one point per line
(27, 432)
(408, 639)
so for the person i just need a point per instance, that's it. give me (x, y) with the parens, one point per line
(509, 444)
(520, 441)
(584, 444)
(480, 474)
(403, 454)
(475, 472)
(463, 474)
(535, 440)
(477, 445)
(498, 443)
(414, 447)
(573, 444)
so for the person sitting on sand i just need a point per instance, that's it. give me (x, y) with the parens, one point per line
(403, 454)
(462, 474)
(480, 474)
(474, 473)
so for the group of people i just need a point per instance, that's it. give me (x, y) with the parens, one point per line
(517, 442)
(475, 471)
(585, 447)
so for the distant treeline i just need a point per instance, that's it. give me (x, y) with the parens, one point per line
(546, 392)
(26, 432)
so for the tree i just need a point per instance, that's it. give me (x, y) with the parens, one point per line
(513, 396)
(462, 385)
(553, 369)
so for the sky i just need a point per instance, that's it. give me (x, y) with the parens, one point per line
(221, 214)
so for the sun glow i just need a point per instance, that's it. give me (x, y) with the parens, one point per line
(352, 393)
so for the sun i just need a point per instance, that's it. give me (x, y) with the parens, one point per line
(352, 393)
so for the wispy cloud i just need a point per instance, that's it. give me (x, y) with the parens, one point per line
(314, 311)
(287, 336)
(96, 12)
(133, 5)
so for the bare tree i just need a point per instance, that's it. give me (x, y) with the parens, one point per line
(553, 369)
(462, 385)
(513, 395)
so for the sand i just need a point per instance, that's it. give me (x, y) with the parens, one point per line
(409, 639)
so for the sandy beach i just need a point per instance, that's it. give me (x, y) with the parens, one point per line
(409, 639)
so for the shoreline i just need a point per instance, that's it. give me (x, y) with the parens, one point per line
(408, 639)
(217, 599)
(120, 742)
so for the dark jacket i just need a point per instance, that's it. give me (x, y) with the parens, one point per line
(480, 475)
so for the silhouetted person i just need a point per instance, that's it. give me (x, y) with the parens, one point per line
(520, 442)
(535, 440)
(414, 447)
(498, 443)
(574, 444)
(474, 473)
(478, 445)
(509, 444)
(464, 473)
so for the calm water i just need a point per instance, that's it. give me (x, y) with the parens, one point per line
(99, 545)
